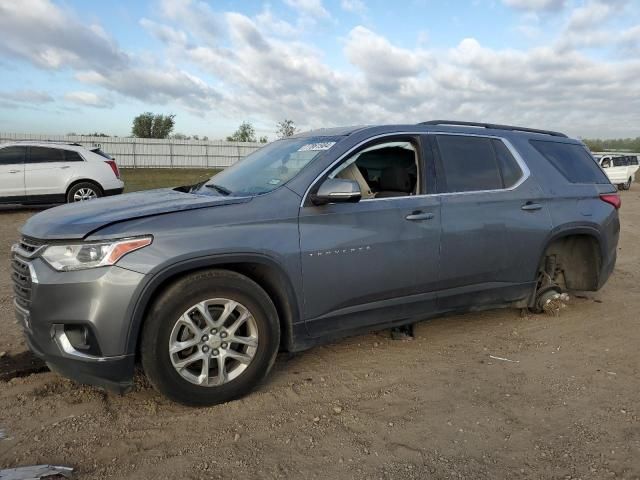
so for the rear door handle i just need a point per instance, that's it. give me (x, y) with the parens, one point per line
(14, 171)
(416, 216)
(529, 206)
(66, 166)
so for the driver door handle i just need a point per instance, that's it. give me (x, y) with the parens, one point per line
(14, 171)
(418, 215)
(531, 206)
(66, 166)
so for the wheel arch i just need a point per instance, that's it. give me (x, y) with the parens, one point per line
(266, 272)
(75, 182)
(574, 242)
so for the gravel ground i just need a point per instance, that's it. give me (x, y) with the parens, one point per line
(437, 407)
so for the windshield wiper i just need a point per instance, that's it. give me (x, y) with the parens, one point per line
(218, 188)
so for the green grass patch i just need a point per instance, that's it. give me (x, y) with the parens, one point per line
(136, 179)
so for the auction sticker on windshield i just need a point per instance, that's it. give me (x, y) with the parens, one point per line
(312, 147)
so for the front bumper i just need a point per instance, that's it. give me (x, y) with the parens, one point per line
(99, 300)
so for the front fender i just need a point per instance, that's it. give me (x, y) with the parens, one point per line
(161, 277)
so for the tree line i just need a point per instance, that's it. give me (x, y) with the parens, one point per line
(623, 144)
(151, 125)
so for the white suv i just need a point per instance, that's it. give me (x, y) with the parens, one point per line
(620, 169)
(52, 172)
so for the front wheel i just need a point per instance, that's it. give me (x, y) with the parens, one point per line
(626, 185)
(210, 337)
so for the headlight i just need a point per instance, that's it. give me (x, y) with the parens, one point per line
(90, 255)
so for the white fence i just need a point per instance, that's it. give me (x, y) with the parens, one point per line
(156, 153)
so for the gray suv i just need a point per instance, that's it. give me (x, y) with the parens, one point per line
(314, 237)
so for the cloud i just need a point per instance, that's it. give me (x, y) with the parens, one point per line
(196, 16)
(377, 57)
(354, 6)
(156, 86)
(555, 86)
(587, 25)
(164, 33)
(309, 8)
(42, 33)
(88, 99)
(534, 5)
(35, 97)
(259, 67)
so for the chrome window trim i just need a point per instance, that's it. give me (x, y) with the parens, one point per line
(526, 173)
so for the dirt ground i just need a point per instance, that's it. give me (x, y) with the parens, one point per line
(439, 407)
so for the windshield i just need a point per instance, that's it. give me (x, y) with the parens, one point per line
(268, 168)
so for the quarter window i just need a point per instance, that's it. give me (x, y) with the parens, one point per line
(511, 171)
(572, 160)
(12, 155)
(71, 156)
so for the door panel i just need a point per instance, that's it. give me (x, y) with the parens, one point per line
(490, 245)
(494, 222)
(366, 263)
(46, 171)
(12, 172)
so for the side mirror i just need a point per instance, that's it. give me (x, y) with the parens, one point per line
(337, 190)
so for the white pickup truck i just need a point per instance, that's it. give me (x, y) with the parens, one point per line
(621, 169)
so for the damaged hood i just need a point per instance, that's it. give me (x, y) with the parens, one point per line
(77, 220)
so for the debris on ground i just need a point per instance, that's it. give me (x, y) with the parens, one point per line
(36, 472)
(552, 302)
(504, 359)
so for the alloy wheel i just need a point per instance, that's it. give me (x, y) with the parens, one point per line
(84, 194)
(213, 342)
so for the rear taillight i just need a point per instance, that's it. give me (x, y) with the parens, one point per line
(612, 199)
(114, 167)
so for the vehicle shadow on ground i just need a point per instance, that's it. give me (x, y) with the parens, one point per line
(24, 208)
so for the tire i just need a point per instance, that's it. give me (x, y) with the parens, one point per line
(627, 185)
(165, 325)
(84, 191)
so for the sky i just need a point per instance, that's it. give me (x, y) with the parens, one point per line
(92, 65)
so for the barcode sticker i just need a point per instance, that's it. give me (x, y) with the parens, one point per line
(312, 147)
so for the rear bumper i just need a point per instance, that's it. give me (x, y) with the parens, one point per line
(113, 191)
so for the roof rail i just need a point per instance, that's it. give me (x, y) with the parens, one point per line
(492, 126)
(61, 142)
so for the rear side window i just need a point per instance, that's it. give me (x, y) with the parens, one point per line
(46, 155)
(71, 156)
(573, 161)
(470, 163)
(12, 155)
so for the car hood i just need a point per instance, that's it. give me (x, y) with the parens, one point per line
(77, 220)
